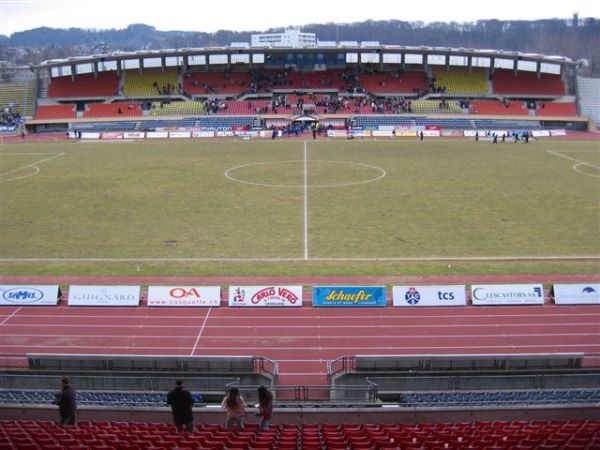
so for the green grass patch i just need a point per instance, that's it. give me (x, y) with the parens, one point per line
(363, 200)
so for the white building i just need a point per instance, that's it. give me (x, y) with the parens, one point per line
(290, 38)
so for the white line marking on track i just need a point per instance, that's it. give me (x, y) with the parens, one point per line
(14, 312)
(311, 327)
(200, 332)
(287, 336)
(315, 348)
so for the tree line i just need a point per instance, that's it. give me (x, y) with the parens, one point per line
(573, 38)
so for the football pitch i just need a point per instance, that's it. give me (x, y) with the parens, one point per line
(296, 207)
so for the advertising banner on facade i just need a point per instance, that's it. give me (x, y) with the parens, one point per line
(507, 294)
(104, 295)
(184, 295)
(265, 296)
(577, 294)
(29, 295)
(451, 295)
(349, 296)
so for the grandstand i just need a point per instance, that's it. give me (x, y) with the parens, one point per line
(338, 81)
(151, 82)
(20, 96)
(104, 84)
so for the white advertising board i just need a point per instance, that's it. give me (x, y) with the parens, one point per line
(540, 133)
(577, 294)
(184, 296)
(134, 135)
(112, 135)
(452, 133)
(88, 135)
(87, 295)
(243, 134)
(431, 133)
(34, 295)
(265, 296)
(382, 133)
(179, 134)
(337, 133)
(558, 132)
(203, 134)
(449, 295)
(157, 134)
(507, 294)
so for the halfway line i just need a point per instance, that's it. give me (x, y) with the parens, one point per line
(305, 203)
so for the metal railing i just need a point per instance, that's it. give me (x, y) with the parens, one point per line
(319, 394)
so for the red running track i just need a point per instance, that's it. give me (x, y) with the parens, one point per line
(302, 340)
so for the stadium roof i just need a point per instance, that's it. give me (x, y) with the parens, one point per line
(366, 48)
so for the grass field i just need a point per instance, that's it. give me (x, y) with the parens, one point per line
(295, 207)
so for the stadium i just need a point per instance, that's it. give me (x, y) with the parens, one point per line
(402, 243)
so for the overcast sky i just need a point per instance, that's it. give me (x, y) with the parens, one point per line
(256, 15)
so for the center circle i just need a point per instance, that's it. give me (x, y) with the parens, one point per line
(339, 169)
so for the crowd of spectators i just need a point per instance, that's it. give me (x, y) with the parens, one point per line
(10, 117)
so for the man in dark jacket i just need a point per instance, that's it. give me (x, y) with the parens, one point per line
(181, 402)
(66, 400)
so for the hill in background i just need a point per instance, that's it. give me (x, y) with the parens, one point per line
(574, 38)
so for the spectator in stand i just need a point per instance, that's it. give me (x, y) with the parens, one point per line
(265, 407)
(181, 402)
(66, 400)
(235, 406)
